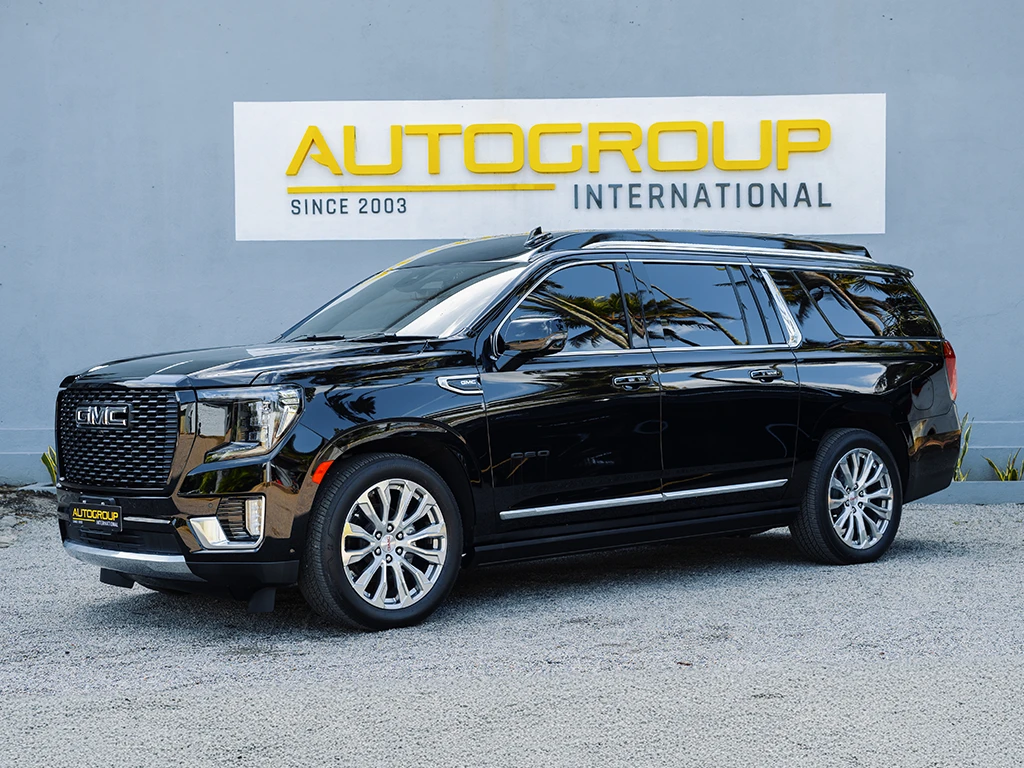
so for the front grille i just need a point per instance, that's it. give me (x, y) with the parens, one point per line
(138, 457)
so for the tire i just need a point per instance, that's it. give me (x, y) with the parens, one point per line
(346, 540)
(844, 522)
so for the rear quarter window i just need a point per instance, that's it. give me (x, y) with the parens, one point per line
(813, 327)
(869, 304)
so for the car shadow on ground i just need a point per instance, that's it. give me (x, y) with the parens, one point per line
(488, 591)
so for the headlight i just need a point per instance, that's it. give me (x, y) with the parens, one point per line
(250, 420)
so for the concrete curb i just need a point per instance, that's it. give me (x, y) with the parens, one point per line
(979, 492)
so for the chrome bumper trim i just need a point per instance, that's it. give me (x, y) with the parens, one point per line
(133, 563)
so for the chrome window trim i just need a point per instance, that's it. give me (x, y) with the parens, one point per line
(796, 338)
(741, 250)
(732, 347)
(560, 509)
(712, 261)
(874, 268)
(577, 352)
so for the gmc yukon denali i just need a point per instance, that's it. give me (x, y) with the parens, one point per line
(517, 397)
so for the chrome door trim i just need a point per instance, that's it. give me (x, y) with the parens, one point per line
(720, 489)
(559, 509)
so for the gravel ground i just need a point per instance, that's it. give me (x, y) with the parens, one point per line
(709, 653)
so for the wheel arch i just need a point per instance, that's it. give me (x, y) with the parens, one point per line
(878, 422)
(439, 447)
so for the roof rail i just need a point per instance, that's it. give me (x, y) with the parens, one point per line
(647, 245)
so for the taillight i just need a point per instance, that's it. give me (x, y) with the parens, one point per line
(950, 355)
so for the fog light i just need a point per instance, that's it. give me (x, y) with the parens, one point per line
(238, 524)
(254, 517)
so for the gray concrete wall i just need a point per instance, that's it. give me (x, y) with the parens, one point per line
(116, 177)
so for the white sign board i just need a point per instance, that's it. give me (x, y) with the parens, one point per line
(354, 170)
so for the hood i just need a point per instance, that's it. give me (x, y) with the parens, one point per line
(238, 366)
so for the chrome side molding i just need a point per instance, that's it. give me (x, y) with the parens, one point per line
(559, 509)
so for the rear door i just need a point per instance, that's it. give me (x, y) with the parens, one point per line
(730, 389)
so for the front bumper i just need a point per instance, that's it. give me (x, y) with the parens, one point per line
(156, 542)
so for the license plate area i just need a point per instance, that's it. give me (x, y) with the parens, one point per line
(105, 518)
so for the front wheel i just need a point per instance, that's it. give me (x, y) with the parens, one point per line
(851, 508)
(384, 545)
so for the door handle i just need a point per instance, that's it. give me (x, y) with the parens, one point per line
(631, 382)
(766, 374)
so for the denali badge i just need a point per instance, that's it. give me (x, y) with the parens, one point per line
(102, 415)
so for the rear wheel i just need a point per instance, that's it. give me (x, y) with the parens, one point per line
(385, 543)
(851, 508)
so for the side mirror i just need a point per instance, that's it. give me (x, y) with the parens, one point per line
(535, 335)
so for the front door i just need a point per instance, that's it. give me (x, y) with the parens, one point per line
(574, 433)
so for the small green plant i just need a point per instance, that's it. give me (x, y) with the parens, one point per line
(49, 460)
(1012, 471)
(965, 440)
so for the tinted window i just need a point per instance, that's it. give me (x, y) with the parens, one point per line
(436, 300)
(587, 297)
(694, 305)
(831, 299)
(812, 325)
(755, 325)
(870, 304)
(770, 313)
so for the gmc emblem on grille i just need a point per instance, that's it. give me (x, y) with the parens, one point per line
(103, 415)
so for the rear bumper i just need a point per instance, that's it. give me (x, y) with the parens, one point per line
(932, 464)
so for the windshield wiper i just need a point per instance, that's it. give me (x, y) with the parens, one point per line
(314, 337)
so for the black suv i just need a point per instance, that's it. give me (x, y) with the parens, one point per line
(516, 397)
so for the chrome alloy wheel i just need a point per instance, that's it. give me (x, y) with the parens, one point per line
(394, 544)
(860, 498)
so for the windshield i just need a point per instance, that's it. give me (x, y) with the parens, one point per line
(430, 301)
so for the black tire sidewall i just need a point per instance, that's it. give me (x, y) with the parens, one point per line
(828, 461)
(330, 557)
